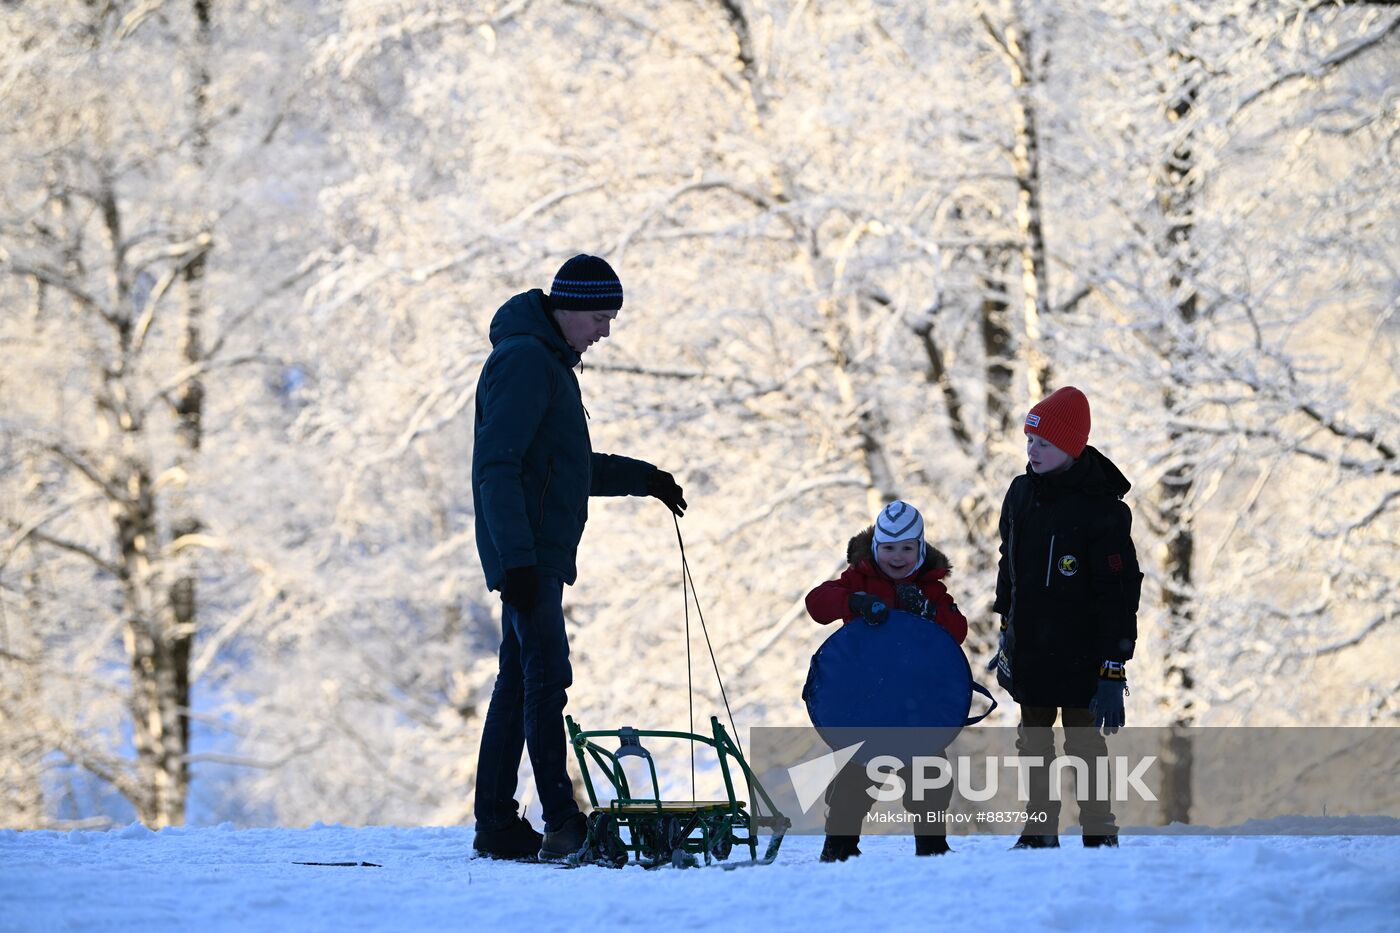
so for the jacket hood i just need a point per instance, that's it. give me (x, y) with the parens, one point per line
(858, 550)
(1093, 473)
(527, 314)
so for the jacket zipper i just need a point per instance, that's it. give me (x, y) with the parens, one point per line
(578, 387)
(548, 475)
(1049, 562)
(1011, 552)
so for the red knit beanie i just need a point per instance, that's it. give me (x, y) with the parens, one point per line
(1062, 418)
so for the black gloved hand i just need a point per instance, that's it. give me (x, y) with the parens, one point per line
(1107, 705)
(1001, 663)
(870, 608)
(912, 599)
(662, 485)
(520, 588)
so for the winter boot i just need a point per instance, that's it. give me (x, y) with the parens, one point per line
(1100, 842)
(1028, 841)
(840, 848)
(931, 845)
(515, 841)
(565, 841)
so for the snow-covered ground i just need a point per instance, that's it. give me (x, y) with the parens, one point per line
(217, 879)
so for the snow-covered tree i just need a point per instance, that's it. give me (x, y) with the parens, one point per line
(128, 303)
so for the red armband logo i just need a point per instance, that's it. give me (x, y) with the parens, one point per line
(1115, 562)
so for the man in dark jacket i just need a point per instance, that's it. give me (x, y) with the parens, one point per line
(533, 469)
(1067, 591)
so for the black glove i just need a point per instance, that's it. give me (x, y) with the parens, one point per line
(1001, 663)
(912, 599)
(868, 607)
(520, 588)
(1107, 705)
(662, 485)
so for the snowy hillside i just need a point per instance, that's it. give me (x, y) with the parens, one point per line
(220, 879)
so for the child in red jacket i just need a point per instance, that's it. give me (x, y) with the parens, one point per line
(891, 566)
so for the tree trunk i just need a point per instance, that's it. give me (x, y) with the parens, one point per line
(1025, 159)
(998, 348)
(189, 412)
(869, 423)
(1176, 199)
(937, 374)
(159, 682)
(157, 710)
(21, 744)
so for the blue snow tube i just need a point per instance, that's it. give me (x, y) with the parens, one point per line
(902, 687)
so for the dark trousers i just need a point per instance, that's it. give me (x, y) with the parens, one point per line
(849, 801)
(527, 711)
(1036, 737)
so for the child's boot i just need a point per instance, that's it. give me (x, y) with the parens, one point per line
(931, 845)
(1029, 841)
(840, 848)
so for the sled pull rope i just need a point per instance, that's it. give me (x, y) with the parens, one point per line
(688, 580)
(689, 682)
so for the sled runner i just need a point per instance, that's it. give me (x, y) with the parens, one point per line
(652, 832)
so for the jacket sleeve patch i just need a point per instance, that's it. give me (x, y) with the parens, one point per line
(1115, 563)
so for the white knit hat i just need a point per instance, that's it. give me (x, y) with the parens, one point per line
(899, 521)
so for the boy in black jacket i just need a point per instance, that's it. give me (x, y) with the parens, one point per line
(1067, 592)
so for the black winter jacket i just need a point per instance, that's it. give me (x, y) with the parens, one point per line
(533, 464)
(1068, 582)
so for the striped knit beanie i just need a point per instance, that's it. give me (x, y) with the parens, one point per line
(1062, 418)
(898, 521)
(586, 283)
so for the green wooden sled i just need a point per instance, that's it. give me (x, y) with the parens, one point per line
(652, 832)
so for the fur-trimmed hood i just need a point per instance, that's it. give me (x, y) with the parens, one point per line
(831, 601)
(858, 549)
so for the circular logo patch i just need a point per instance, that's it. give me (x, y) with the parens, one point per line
(1069, 565)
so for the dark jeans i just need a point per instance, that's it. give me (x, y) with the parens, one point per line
(1036, 737)
(849, 802)
(527, 711)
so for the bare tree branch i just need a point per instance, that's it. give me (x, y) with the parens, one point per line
(1316, 71)
(1356, 639)
(187, 253)
(74, 548)
(80, 463)
(61, 282)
